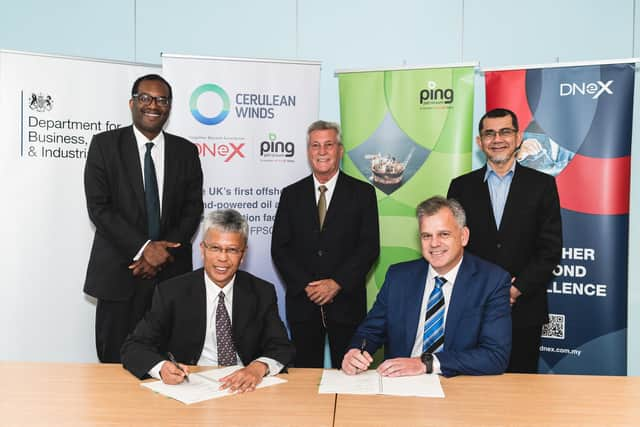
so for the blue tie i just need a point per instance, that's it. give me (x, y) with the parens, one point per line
(433, 335)
(151, 195)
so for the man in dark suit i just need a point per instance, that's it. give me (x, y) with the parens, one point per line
(144, 195)
(222, 316)
(447, 312)
(513, 213)
(325, 240)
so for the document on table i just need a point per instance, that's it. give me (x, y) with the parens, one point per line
(203, 386)
(370, 382)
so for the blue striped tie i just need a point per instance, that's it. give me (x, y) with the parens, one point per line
(433, 335)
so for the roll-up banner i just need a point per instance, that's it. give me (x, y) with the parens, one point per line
(408, 132)
(50, 107)
(248, 118)
(577, 122)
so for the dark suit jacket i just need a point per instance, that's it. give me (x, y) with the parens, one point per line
(344, 250)
(477, 335)
(115, 200)
(529, 242)
(177, 323)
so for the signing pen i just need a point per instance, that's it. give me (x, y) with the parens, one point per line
(362, 347)
(175, 362)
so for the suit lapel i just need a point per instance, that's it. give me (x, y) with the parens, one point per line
(244, 305)
(340, 196)
(131, 161)
(485, 197)
(414, 286)
(512, 202)
(458, 297)
(170, 170)
(309, 203)
(199, 304)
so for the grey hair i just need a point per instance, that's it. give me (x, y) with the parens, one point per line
(432, 206)
(322, 125)
(227, 221)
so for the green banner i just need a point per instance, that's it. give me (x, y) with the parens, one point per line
(408, 133)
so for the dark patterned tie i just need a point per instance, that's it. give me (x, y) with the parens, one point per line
(224, 340)
(433, 335)
(151, 195)
(322, 205)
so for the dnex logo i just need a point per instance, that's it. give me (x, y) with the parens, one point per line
(193, 104)
(274, 148)
(227, 151)
(593, 88)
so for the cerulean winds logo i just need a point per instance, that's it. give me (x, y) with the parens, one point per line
(197, 114)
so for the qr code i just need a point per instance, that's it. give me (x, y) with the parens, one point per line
(555, 327)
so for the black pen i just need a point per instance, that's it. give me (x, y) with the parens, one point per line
(362, 346)
(175, 362)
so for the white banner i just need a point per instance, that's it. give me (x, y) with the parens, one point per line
(248, 119)
(49, 109)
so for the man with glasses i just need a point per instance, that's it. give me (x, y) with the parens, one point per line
(325, 240)
(144, 196)
(216, 315)
(513, 214)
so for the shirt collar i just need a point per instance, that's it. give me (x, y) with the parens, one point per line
(449, 275)
(214, 289)
(490, 172)
(141, 140)
(331, 184)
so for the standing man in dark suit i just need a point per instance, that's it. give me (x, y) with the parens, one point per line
(513, 213)
(220, 316)
(144, 195)
(446, 313)
(325, 240)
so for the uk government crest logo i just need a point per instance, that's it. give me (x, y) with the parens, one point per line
(40, 102)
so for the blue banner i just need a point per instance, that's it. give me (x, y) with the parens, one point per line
(577, 124)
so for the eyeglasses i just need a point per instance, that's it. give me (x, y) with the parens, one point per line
(218, 249)
(329, 146)
(490, 134)
(146, 99)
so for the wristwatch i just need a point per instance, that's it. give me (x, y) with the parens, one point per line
(427, 359)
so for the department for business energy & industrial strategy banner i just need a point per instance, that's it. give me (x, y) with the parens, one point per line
(50, 107)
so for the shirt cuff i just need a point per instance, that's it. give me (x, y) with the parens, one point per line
(139, 254)
(155, 371)
(274, 366)
(436, 365)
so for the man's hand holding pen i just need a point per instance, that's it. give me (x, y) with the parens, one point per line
(173, 372)
(356, 360)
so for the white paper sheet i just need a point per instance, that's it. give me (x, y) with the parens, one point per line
(370, 382)
(203, 386)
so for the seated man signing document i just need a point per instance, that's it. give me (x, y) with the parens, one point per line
(218, 315)
(446, 313)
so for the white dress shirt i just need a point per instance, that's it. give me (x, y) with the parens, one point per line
(447, 289)
(209, 356)
(157, 154)
(331, 186)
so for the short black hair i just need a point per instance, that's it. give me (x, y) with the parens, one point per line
(499, 112)
(136, 84)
